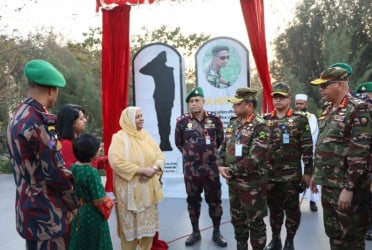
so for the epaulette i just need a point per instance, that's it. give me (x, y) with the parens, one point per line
(183, 116)
(300, 113)
(260, 119)
(209, 113)
(233, 118)
(358, 103)
(266, 115)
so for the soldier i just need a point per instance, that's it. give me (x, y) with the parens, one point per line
(198, 135)
(45, 199)
(242, 162)
(364, 92)
(341, 156)
(290, 141)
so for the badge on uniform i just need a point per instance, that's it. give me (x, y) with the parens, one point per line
(270, 123)
(339, 118)
(290, 123)
(363, 121)
(189, 125)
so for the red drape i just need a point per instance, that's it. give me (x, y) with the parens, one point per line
(115, 74)
(253, 12)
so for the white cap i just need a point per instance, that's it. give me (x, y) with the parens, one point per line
(301, 97)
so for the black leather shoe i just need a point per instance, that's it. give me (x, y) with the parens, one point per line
(219, 239)
(275, 244)
(193, 238)
(242, 245)
(369, 235)
(313, 206)
(288, 245)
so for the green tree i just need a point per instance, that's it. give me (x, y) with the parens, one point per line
(319, 36)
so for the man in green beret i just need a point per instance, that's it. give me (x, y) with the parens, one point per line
(242, 162)
(198, 135)
(342, 153)
(45, 198)
(364, 92)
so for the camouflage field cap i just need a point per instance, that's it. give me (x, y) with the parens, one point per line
(281, 88)
(243, 94)
(197, 91)
(43, 73)
(345, 66)
(364, 87)
(331, 74)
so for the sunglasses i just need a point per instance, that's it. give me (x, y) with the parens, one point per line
(223, 57)
(325, 85)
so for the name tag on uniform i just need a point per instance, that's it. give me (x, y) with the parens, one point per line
(207, 140)
(238, 150)
(285, 138)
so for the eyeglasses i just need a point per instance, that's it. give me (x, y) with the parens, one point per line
(325, 85)
(223, 57)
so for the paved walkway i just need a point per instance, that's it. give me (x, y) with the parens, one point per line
(174, 225)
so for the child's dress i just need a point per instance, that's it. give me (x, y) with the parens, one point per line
(89, 228)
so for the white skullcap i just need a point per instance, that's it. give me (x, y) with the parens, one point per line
(301, 97)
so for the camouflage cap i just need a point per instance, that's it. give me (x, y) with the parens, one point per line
(242, 94)
(281, 88)
(331, 74)
(43, 73)
(197, 91)
(345, 66)
(364, 87)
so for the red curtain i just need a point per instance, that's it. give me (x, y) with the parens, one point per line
(253, 12)
(115, 74)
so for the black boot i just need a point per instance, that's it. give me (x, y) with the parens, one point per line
(288, 245)
(219, 239)
(275, 244)
(241, 245)
(193, 238)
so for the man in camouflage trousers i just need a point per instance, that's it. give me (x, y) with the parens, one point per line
(45, 197)
(341, 161)
(198, 135)
(290, 140)
(242, 162)
(364, 92)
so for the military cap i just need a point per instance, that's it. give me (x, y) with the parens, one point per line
(243, 94)
(281, 88)
(331, 74)
(364, 87)
(345, 66)
(197, 91)
(43, 73)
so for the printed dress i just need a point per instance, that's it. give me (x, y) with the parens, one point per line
(89, 228)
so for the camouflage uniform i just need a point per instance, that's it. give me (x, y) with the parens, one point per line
(361, 89)
(198, 141)
(341, 162)
(290, 139)
(247, 188)
(44, 197)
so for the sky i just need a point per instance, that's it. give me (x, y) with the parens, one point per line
(215, 17)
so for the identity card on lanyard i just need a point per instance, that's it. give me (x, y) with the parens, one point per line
(238, 147)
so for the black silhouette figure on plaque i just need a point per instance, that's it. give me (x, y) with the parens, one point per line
(163, 95)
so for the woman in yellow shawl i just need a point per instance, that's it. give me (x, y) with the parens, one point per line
(137, 163)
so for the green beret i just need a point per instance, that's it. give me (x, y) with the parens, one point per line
(197, 91)
(281, 88)
(345, 66)
(330, 75)
(43, 73)
(364, 87)
(243, 94)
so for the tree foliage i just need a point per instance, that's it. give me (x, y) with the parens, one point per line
(321, 35)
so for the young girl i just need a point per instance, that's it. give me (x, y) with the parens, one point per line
(89, 228)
